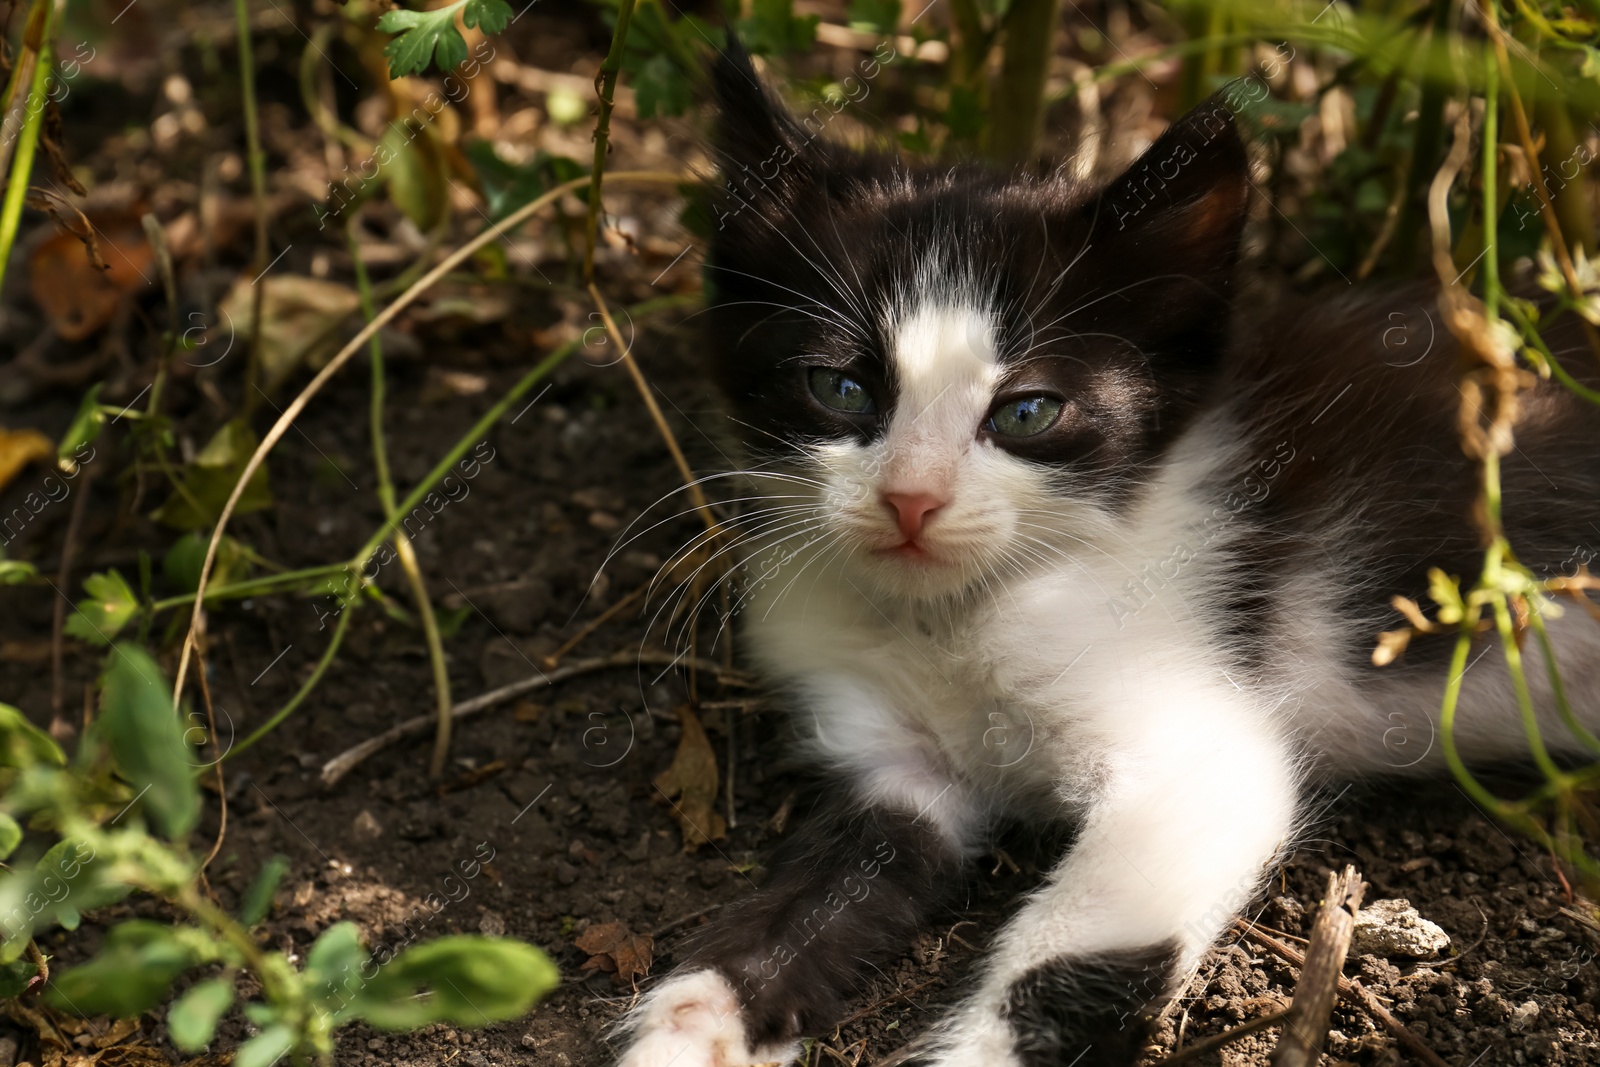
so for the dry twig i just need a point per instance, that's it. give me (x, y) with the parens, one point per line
(1300, 1044)
(350, 758)
(1351, 991)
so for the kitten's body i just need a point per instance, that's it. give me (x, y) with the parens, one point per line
(1151, 619)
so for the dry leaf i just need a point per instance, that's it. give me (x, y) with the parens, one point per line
(18, 448)
(691, 782)
(614, 949)
(301, 320)
(78, 296)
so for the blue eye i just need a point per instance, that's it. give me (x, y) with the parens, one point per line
(1025, 417)
(841, 392)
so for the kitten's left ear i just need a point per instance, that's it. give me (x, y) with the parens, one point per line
(762, 151)
(1184, 201)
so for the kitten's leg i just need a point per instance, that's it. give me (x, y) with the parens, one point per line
(852, 886)
(1186, 821)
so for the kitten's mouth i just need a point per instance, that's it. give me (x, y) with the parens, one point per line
(907, 550)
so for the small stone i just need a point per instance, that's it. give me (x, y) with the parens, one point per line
(492, 924)
(1393, 928)
(1523, 1015)
(368, 827)
(377, 1044)
(529, 1041)
(598, 498)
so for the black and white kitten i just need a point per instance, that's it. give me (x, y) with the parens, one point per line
(1052, 528)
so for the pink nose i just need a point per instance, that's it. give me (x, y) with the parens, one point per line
(912, 510)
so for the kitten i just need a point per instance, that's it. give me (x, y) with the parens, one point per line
(1057, 523)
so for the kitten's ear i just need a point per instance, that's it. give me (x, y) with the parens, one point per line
(762, 150)
(1185, 199)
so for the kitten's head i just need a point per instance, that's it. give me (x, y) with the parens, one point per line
(955, 371)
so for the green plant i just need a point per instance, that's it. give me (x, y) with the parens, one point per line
(114, 819)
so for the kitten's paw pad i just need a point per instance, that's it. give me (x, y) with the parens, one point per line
(693, 1020)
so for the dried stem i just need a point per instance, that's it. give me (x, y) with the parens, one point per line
(343, 356)
(1300, 1044)
(258, 191)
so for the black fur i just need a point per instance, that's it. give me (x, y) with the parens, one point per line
(1367, 410)
(850, 888)
(1088, 1011)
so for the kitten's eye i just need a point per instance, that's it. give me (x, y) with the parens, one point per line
(1025, 417)
(841, 392)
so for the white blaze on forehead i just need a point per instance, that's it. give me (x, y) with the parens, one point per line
(946, 369)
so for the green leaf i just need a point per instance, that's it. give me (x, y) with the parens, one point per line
(774, 29)
(874, 16)
(130, 976)
(73, 863)
(15, 572)
(10, 835)
(660, 87)
(1445, 591)
(182, 563)
(107, 609)
(490, 16)
(192, 1020)
(415, 170)
(258, 898)
(23, 744)
(464, 980)
(433, 34)
(86, 424)
(266, 1048)
(333, 966)
(146, 740)
(210, 479)
(508, 186)
(16, 976)
(335, 950)
(1591, 62)
(965, 116)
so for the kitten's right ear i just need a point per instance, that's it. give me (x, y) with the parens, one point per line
(763, 152)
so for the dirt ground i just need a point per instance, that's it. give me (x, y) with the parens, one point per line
(555, 788)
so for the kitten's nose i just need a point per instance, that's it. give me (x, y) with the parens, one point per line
(912, 510)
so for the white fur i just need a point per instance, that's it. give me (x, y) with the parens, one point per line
(1056, 660)
(692, 1020)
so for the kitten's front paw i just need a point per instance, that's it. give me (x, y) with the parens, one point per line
(693, 1020)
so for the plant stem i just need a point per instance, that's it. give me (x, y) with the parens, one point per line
(1447, 717)
(606, 88)
(1547, 210)
(475, 434)
(1491, 164)
(298, 404)
(1557, 688)
(1519, 683)
(253, 587)
(345, 614)
(1017, 112)
(15, 101)
(970, 52)
(258, 194)
(402, 544)
(27, 139)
